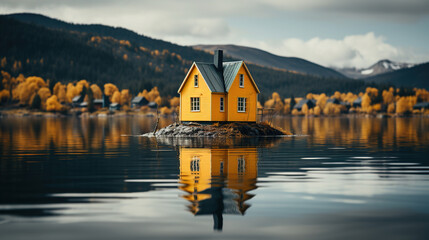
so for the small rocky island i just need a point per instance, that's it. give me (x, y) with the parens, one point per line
(217, 130)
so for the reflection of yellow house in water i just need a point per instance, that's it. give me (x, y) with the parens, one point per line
(217, 181)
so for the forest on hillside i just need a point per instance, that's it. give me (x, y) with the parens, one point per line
(35, 93)
(68, 56)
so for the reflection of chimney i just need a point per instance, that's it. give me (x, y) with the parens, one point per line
(218, 220)
(218, 59)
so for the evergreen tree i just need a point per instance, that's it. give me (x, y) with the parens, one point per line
(37, 102)
(262, 99)
(84, 90)
(90, 100)
(292, 102)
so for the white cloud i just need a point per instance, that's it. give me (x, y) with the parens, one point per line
(352, 51)
(239, 22)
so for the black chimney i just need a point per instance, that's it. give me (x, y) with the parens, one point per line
(218, 59)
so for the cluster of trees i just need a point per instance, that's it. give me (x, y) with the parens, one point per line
(36, 93)
(66, 52)
(371, 101)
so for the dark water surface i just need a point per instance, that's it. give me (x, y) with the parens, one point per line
(340, 178)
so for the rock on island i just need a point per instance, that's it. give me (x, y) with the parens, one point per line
(217, 130)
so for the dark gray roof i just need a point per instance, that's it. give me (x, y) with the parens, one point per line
(213, 77)
(230, 70)
(139, 99)
(333, 100)
(421, 105)
(301, 103)
(358, 100)
(152, 105)
(78, 99)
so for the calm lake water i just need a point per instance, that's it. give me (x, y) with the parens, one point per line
(338, 178)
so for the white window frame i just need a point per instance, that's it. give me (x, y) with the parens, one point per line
(241, 81)
(195, 104)
(241, 165)
(222, 104)
(195, 164)
(241, 104)
(196, 80)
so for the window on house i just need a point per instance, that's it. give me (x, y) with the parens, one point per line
(221, 168)
(241, 168)
(196, 81)
(195, 164)
(195, 104)
(241, 80)
(222, 104)
(241, 104)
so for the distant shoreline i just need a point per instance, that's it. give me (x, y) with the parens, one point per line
(104, 114)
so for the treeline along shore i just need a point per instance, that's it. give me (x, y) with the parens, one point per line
(35, 95)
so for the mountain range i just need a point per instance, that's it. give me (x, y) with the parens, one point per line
(267, 59)
(381, 67)
(61, 51)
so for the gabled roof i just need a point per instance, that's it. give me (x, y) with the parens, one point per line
(139, 100)
(311, 102)
(421, 105)
(230, 70)
(212, 76)
(78, 99)
(214, 79)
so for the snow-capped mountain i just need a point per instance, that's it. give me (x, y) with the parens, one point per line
(382, 66)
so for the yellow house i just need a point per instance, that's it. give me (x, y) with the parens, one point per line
(218, 92)
(218, 181)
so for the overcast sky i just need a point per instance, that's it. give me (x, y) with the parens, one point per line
(340, 33)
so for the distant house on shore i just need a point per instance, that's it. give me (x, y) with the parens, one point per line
(421, 105)
(311, 103)
(78, 100)
(99, 103)
(139, 102)
(114, 107)
(218, 91)
(357, 102)
(334, 101)
(152, 105)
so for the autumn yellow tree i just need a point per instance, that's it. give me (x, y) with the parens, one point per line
(405, 104)
(9, 84)
(109, 90)
(25, 91)
(116, 97)
(275, 102)
(125, 97)
(60, 90)
(53, 105)
(321, 101)
(96, 91)
(44, 94)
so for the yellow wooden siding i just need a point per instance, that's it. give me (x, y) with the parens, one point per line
(210, 161)
(195, 181)
(217, 115)
(249, 92)
(242, 181)
(188, 91)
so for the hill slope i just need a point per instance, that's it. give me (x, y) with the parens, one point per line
(65, 52)
(380, 67)
(267, 59)
(417, 76)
